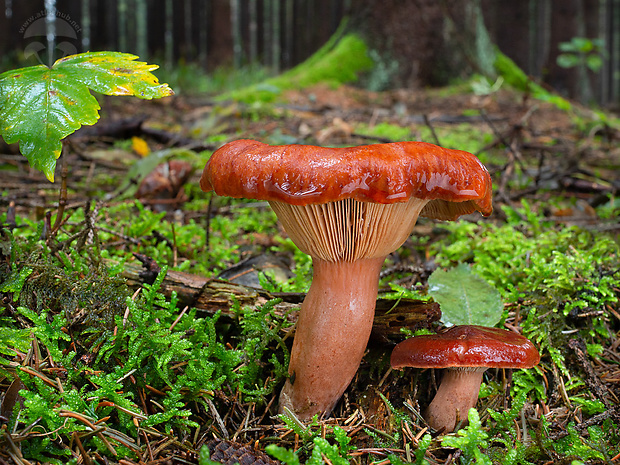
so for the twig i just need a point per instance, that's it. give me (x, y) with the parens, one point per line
(107, 403)
(244, 425)
(85, 457)
(175, 250)
(208, 223)
(41, 376)
(596, 419)
(377, 450)
(163, 445)
(502, 139)
(148, 451)
(218, 419)
(430, 126)
(14, 453)
(89, 424)
(178, 318)
(133, 240)
(592, 379)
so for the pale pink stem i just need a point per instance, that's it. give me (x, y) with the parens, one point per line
(457, 393)
(331, 335)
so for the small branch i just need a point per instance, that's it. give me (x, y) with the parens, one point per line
(592, 379)
(212, 295)
(432, 128)
(595, 420)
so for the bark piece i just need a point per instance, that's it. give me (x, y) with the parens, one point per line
(212, 295)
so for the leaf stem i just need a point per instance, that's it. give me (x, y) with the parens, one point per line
(62, 199)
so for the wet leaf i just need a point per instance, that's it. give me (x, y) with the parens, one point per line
(464, 297)
(40, 106)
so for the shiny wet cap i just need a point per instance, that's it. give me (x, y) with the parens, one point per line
(454, 182)
(466, 346)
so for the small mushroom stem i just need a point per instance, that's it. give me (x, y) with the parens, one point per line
(332, 332)
(457, 393)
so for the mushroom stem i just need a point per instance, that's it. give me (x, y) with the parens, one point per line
(332, 332)
(457, 393)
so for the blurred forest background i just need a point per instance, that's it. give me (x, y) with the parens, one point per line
(572, 46)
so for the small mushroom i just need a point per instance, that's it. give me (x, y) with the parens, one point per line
(348, 208)
(465, 352)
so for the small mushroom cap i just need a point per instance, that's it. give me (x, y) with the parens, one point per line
(466, 346)
(454, 182)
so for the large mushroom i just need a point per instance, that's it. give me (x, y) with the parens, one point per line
(465, 353)
(348, 208)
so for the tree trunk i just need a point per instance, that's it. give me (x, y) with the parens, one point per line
(235, 24)
(289, 33)
(267, 38)
(563, 28)
(169, 33)
(203, 33)
(275, 36)
(610, 85)
(121, 17)
(155, 28)
(86, 20)
(427, 38)
(253, 36)
(5, 36)
(141, 28)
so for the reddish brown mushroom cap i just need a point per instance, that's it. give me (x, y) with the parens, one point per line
(466, 346)
(466, 352)
(454, 182)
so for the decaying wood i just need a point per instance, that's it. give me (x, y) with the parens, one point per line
(126, 128)
(212, 295)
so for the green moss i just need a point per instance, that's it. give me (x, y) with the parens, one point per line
(386, 130)
(460, 137)
(147, 341)
(334, 64)
(514, 76)
(192, 78)
(556, 275)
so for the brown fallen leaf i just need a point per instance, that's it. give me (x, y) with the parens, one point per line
(163, 187)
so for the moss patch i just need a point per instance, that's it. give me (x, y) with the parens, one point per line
(337, 62)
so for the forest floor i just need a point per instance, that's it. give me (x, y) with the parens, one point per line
(565, 165)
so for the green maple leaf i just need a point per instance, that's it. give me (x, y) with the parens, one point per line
(40, 106)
